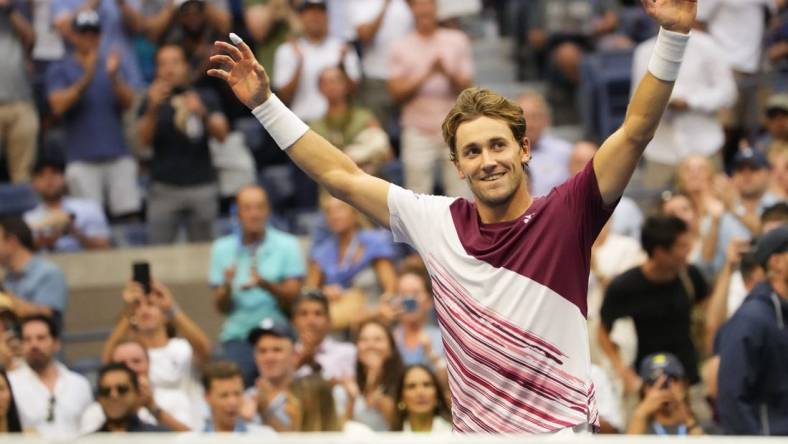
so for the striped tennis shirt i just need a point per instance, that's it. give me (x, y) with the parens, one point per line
(511, 303)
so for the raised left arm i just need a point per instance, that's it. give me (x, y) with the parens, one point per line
(620, 153)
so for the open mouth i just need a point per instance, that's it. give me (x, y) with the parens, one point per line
(492, 177)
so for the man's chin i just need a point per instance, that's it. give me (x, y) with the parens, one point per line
(493, 199)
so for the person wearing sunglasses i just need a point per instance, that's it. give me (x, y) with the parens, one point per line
(118, 392)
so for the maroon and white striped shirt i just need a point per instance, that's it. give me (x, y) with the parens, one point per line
(511, 304)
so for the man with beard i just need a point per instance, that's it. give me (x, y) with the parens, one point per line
(63, 223)
(513, 324)
(49, 396)
(120, 396)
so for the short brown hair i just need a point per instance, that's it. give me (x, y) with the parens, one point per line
(219, 370)
(474, 103)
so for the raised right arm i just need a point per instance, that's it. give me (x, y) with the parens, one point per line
(322, 161)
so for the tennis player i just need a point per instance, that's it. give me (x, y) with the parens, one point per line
(509, 271)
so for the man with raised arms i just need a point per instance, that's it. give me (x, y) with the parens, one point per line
(509, 271)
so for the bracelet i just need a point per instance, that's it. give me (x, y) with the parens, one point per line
(281, 123)
(668, 53)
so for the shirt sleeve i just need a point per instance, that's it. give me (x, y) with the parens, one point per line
(51, 290)
(284, 65)
(584, 204)
(293, 261)
(216, 273)
(413, 216)
(57, 78)
(379, 245)
(699, 282)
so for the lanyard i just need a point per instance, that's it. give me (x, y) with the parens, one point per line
(682, 431)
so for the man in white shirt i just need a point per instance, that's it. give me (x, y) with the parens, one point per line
(550, 154)
(691, 124)
(298, 64)
(379, 24)
(738, 27)
(316, 349)
(49, 396)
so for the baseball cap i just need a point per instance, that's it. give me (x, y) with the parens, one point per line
(273, 327)
(653, 365)
(304, 4)
(773, 242)
(777, 102)
(87, 20)
(750, 157)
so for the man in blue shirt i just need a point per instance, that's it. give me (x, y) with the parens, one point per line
(35, 285)
(89, 90)
(256, 274)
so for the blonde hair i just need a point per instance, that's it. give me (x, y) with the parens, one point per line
(476, 102)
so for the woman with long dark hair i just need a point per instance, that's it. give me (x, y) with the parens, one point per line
(421, 407)
(9, 415)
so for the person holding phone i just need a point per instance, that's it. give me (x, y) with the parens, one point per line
(418, 341)
(664, 399)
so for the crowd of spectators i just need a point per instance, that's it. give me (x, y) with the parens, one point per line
(106, 114)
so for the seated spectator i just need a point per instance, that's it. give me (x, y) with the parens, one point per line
(379, 24)
(664, 407)
(420, 405)
(275, 356)
(427, 69)
(120, 396)
(18, 117)
(9, 415)
(351, 128)
(224, 393)
(660, 292)
(166, 20)
(776, 124)
(10, 344)
(378, 370)
(753, 375)
(748, 192)
(33, 284)
(318, 412)
(336, 262)
(318, 352)
(717, 223)
(155, 404)
(148, 319)
(177, 120)
(89, 90)
(691, 124)
(298, 63)
(418, 341)
(256, 274)
(63, 223)
(49, 396)
(549, 154)
(627, 217)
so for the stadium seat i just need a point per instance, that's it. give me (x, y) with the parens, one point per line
(606, 79)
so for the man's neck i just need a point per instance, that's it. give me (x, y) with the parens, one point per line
(517, 205)
(48, 374)
(655, 273)
(253, 237)
(221, 426)
(779, 286)
(752, 201)
(118, 425)
(281, 383)
(53, 204)
(427, 31)
(20, 259)
(420, 422)
(337, 109)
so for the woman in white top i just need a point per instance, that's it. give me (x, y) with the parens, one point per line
(174, 342)
(421, 407)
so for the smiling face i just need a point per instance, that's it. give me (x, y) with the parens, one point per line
(491, 161)
(419, 393)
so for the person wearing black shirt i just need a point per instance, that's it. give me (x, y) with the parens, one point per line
(659, 296)
(119, 396)
(177, 120)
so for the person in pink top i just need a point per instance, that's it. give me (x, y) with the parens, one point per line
(427, 69)
(509, 270)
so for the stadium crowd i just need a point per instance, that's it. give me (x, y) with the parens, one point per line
(108, 118)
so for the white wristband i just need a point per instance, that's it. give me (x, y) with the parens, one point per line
(668, 53)
(283, 126)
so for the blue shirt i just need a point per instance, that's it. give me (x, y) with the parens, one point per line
(417, 355)
(89, 219)
(277, 258)
(93, 127)
(113, 32)
(41, 283)
(374, 244)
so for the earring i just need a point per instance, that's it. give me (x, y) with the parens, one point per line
(401, 405)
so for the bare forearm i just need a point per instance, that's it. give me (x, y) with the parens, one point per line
(285, 292)
(610, 350)
(146, 126)
(220, 19)
(61, 101)
(23, 29)
(366, 32)
(123, 92)
(638, 425)
(119, 333)
(157, 26)
(287, 92)
(403, 89)
(169, 421)
(194, 334)
(718, 305)
(223, 300)
(24, 308)
(132, 20)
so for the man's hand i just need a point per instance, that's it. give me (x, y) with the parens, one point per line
(673, 15)
(133, 294)
(240, 70)
(157, 93)
(229, 275)
(655, 397)
(161, 296)
(194, 104)
(113, 64)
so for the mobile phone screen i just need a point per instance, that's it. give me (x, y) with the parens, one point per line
(140, 272)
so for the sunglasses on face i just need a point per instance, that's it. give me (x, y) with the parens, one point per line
(106, 391)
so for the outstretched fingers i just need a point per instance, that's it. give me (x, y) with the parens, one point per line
(234, 52)
(224, 61)
(219, 74)
(246, 51)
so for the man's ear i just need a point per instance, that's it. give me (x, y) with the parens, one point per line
(460, 174)
(525, 147)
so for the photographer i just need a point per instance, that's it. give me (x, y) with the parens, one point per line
(664, 404)
(177, 120)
